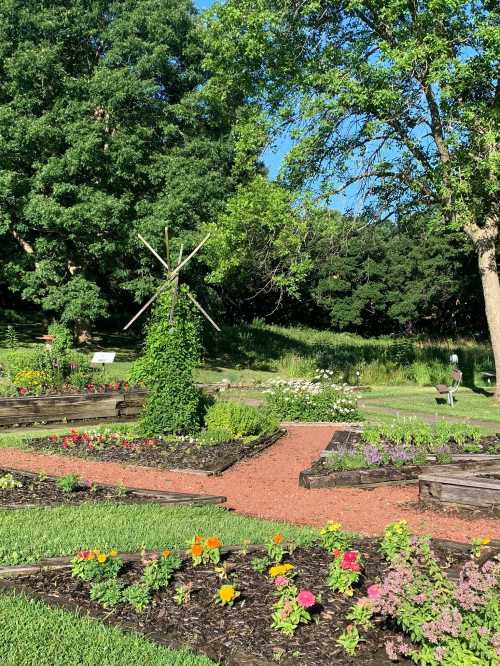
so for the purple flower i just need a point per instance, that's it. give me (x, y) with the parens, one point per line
(372, 455)
(439, 653)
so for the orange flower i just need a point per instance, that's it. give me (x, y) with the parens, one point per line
(113, 552)
(213, 542)
(166, 552)
(277, 539)
(196, 550)
(198, 538)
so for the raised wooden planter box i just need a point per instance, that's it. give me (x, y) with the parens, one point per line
(310, 479)
(75, 407)
(387, 475)
(473, 489)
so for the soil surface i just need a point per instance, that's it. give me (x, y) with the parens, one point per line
(246, 627)
(173, 454)
(41, 491)
(266, 486)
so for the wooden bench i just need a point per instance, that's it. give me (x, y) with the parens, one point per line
(449, 391)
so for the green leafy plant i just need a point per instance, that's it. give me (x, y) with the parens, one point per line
(108, 592)
(291, 608)
(8, 482)
(182, 594)
(344, 571)
(203, 550)
(10, 339)
(238, 420)
(396, 541)
(172, 351)
(138, 596)
(349, 640)
(159, 569)
(333, 537)
(95, 565)
(120, 489)
(361, 613)
(69, 483)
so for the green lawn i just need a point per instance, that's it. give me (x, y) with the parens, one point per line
(422, 400)
(27, 535)
(32, 634)
(28, 629)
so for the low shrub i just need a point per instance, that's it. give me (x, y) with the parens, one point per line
(238, 420)
(312, 401)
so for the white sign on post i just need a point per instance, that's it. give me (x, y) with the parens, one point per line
(103, 357)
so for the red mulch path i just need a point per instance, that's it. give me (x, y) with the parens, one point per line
(267, 487)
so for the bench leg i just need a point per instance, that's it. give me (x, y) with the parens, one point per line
(451, 402)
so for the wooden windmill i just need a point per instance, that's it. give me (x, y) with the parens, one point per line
(172, 280)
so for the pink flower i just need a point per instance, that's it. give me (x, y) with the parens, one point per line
(279, 581)
(306, 599)
(373, 592)
(83, 554)
(350, 556)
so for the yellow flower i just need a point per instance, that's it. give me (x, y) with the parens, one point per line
(101, 558)
(113, 552)
(333, 527)
(280, 569)
(227, 593)
(485, 541)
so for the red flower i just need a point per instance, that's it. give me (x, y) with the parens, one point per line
(355, 567)
(350, 556)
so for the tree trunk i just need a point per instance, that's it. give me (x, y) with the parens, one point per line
(485, 242)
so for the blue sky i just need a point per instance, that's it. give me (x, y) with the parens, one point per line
(273, 158)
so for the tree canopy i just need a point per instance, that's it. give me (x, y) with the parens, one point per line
(102, 133)
(396, 103)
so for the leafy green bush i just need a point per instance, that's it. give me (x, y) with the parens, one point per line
(63, 340)
(68, 483)
(238, 420)
(308, 401)
(172, 351)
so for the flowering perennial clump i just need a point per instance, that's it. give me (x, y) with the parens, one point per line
(96, 565)
(291, 607)
(226, 595)
(205, 550)
(344, 571)
(319, 400)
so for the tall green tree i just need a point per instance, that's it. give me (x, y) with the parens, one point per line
(102, 133)
(395, 103)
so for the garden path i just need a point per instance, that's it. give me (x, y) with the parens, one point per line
(267, 487)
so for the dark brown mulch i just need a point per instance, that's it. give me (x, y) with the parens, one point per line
(221, 633)
(173, 454)
(453, 510)
(43, 491)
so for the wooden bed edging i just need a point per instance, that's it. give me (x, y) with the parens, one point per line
(462, 488)
(157, 496)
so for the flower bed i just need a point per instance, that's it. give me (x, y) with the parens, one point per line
(179, 453)
(399, 452)
(312, 401)
(24, 489)
(343, 600)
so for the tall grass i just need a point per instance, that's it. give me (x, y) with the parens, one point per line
(295, 352)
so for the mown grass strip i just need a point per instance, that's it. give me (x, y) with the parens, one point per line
(28, 535)
(32, 634)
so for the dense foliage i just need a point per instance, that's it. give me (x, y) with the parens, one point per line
(102, 133)
(172, 351)
(394, 105)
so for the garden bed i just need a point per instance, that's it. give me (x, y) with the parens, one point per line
(186, 454)
(240, 634)
(347, 448)
(34, 490)
(104, 405)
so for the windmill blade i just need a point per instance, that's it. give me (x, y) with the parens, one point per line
(204, 312)
(190, 256)
(146, 305)
(162, 261)
(175, 290)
